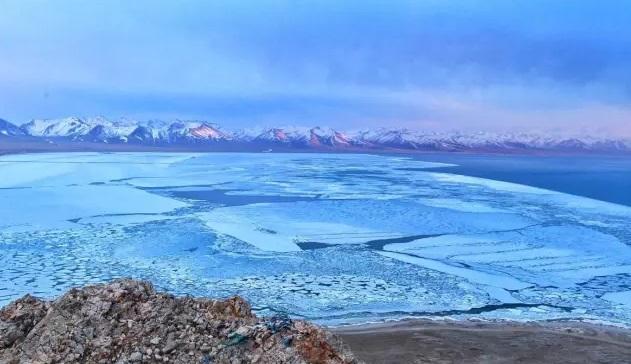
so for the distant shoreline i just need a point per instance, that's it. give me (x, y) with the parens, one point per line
(447, 341)
(31, 146)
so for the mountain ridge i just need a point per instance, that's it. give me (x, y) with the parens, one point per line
(200, 133)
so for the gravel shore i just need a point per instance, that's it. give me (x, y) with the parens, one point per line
(425, 341)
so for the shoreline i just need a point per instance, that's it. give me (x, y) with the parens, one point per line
(404, 321)
(473, 341)
(34, 146)
(412, 323)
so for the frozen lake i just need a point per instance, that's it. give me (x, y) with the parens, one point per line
(332, 238)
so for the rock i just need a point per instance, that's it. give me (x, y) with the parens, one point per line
(170, 346)
(244, 331)
(278, 323)
(135, 357)
(128, 321)
(18, 318)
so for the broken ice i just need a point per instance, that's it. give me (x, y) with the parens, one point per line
(334, 238)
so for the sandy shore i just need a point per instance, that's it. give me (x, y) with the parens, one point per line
(424, 341)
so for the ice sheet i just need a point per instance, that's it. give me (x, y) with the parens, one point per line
(622, 298)
(473, 276)
(335, 238)
(51, 207)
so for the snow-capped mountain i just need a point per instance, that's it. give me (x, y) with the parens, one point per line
(490, 142)
(66, 127)
(103, 130)
(196, 131)
(329, 137)
(200, 133)
(296, 136)
(395, 138)
(8, 129)
(150, 132)
(272, 135)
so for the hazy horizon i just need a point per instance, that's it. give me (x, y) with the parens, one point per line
(351, 130)
(492, 66)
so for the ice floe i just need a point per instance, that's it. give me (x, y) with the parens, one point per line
(335, 238)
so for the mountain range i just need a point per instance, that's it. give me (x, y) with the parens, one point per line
(200, 134)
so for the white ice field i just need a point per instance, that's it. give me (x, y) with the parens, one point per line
(332, 238)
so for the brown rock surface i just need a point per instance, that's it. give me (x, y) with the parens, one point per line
(486, 342)
(126, 321)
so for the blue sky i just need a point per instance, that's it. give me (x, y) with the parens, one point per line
(562, 66)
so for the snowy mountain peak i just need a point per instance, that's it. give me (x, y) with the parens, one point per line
(329, 137)
(196, 130)
(181, 132)
(274, 135)
(8, 129)
(66, 127)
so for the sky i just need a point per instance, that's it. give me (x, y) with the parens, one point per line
(523, 65)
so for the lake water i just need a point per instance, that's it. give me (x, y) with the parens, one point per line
(606, 178)
(332, 238)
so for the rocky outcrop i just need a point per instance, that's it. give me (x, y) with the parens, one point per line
(127, 321)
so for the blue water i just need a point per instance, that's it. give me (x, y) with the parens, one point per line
(606, 178)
